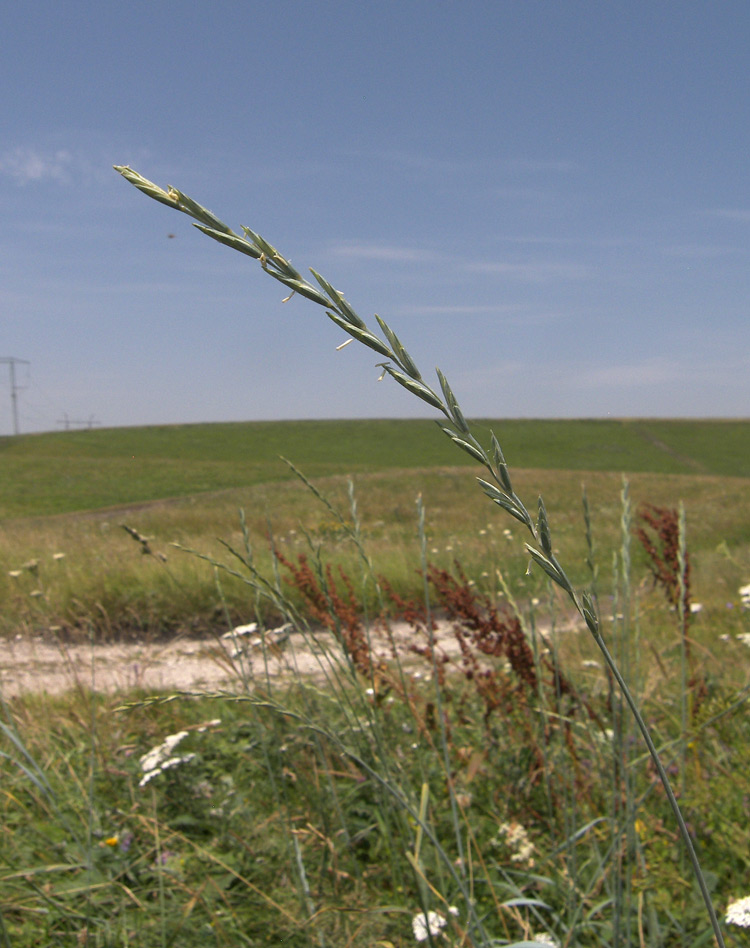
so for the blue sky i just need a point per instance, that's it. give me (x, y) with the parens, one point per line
(549, 200)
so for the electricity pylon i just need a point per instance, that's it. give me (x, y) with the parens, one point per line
(11, 361)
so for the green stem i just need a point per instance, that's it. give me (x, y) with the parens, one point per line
(692, 856)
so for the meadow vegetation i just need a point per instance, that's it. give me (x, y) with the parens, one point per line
(87, 470)
(518, 788)
(101, 581)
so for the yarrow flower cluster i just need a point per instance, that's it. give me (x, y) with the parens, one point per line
(160, 758)
(745, 596)
(515, 837)
(545, 938)
(431, 924)
(738, 913)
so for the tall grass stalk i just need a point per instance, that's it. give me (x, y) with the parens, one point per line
(400, 366)
(437, 691)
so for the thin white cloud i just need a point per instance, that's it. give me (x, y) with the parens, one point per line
(387, 252)
(699, 251)
(661, 386)
(457, 310)
(531, 164)
(535, 271)
(418, 161)
(537, 195)
(544, 241)
(646, 372)
(27, 165)
(656, 374)
(740, 214)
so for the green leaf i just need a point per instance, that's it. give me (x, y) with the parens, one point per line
(230, 240)
(262, 244)
(196, 210)
(299, 286)
(589, 612)
(402, 356)
(553, 570)
(308, 291)
(339, 302)
(500, 464)
(361, 335)
(453, 406)
(507, 502)
(146, 186)
(325, 284)
(476, 453)
(416, 388)
(543, 524)
(547, 565)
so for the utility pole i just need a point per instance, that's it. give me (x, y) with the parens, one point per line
(11, 361)
(67, 422)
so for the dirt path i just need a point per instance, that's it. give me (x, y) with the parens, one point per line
(188, 664)
(45, 666)
(28, 665)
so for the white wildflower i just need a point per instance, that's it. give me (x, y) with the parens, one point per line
(58, 556)
(738, 913)
(158, 754)
(744, 637)
(15, 573)
(696, 607)
(241, 630)
(590, 663)
(517, 839)
(745, 596)
(544, 938)
(160, 758)
(424, 926)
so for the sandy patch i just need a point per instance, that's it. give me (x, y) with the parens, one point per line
(190, 664)
(47, 666)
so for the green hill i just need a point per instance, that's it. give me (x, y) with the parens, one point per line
(83, 470)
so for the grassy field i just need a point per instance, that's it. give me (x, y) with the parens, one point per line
(86, 470)
(338, 811)
(88, 570)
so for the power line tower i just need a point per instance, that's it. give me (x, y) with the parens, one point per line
(11, 361)
(68, 423)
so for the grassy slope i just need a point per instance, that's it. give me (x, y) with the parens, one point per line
(84, 470)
